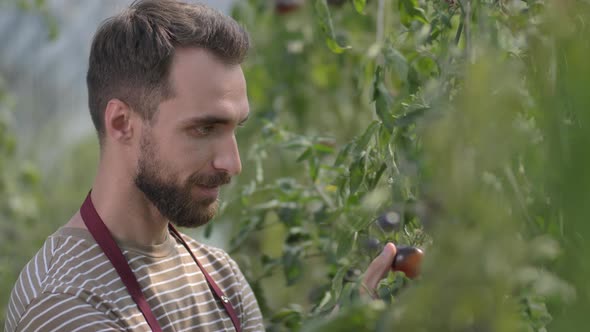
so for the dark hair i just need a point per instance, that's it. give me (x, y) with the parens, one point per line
(132, 52)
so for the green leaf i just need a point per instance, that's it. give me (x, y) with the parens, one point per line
(347, 294)
(260, 296)
(359, 5)
(314, 168)
(397, 61)
(297, 235)
(383, 100)
(384, 139)
(357, 174)
(290, 317)
(305, 155)
(292, 265)
(325, 21)
(337, 282)
(322, 148)
(410, 117)
(363, 141)
(343, 154)
(373, 182)
(334, 47)
(208, 230)
(29, 174)
(410, 11)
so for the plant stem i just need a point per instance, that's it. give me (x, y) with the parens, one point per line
(324, 197)
(458, 34)
(467, 28)
(380, 21)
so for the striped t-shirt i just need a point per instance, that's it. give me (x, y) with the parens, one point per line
(70, 285)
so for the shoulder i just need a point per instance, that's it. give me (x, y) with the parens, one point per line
(62, 312)
(61, 259)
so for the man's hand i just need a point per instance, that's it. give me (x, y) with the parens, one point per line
(377, 270)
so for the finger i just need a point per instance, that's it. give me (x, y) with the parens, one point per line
(378, 269)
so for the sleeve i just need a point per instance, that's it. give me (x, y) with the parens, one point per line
(250, 315)
(62, 312)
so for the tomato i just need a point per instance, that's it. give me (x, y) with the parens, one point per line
(389, 221)
(287, 6)
(408, 259)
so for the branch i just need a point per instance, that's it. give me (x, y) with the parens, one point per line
(467, 28)
(380, 21)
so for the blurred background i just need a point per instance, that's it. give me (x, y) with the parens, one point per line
(457, 126)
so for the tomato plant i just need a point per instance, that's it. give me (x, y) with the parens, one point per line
(406, 121)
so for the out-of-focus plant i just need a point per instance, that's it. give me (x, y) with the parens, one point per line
(417, 122)
(22, 226)
(19, 207)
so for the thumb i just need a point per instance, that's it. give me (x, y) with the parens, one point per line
(378, 269)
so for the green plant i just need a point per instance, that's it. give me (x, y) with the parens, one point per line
(424, 108)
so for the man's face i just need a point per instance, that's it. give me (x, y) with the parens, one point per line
(189, 148)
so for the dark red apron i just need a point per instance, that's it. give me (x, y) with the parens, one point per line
(110, 248)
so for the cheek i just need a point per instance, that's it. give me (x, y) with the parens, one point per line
(188, 159)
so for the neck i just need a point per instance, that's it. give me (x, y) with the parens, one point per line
(126, 212)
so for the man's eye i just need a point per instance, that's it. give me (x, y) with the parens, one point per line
(204, 130)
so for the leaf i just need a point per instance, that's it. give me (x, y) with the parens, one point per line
(305, 155)
(396, 60)
(325, 21)
(29, 174)
(361, 223)
(383, 100)
(260, 296)
(347, 294)
(410, 11)
(208, 230)
(345, 240)
(357, 174)
(410, 117)
(334, 47)
(384, 138)
(292, 265)
(297, 235)
(290, 317)
(323, 148)
(359, 5)
(337, 282)
(246, 227)
(363, 141)
(343, 154)
(373, 182)
(314, 168)
(288, 215)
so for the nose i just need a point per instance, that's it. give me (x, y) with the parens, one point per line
(227, 157)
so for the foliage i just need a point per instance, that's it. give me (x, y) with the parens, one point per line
(22, 228)
(462, 120)
(19, 208)
(434, 114)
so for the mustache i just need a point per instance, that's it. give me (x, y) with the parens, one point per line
(215, 180)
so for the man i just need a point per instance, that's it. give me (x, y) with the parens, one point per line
(166, 93)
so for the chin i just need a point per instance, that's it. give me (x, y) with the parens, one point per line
(206, 213)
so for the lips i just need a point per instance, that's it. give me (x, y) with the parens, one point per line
(211, 192)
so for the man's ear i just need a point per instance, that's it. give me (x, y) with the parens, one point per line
(118, 121)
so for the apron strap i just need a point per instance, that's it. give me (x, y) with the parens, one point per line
(103, 237)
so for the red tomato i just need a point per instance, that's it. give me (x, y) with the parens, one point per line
(408, 259)
(287, 6)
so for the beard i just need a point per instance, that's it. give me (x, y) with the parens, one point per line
(175, 200)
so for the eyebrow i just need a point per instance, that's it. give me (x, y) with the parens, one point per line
(213, 119)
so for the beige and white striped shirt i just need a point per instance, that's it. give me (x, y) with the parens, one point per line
(70, 285)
